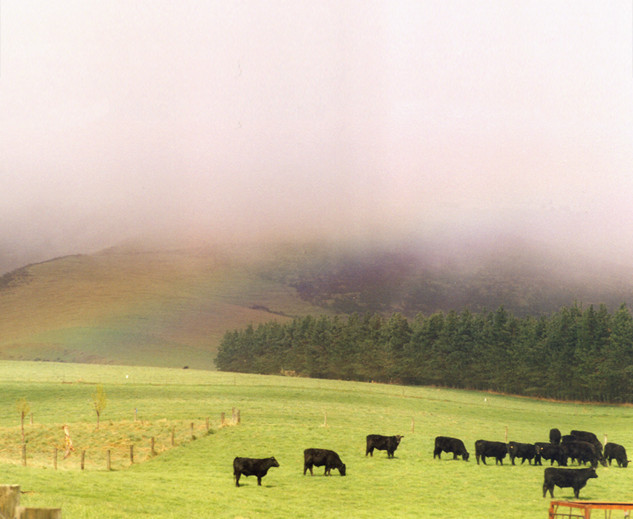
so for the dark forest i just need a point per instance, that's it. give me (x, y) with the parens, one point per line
(576, 353)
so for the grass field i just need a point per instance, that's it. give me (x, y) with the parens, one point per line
(280, 416)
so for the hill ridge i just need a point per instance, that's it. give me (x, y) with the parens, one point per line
(172, 307)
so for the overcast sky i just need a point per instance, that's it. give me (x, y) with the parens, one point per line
(246, 118)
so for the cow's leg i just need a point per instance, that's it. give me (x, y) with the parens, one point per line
(547, 487)
(237, 479)
(259, 481)
(576, 492)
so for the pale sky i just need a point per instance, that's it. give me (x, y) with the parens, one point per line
(252, 118)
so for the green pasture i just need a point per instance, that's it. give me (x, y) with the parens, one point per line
(280, 416)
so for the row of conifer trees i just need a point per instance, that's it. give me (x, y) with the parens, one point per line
(577, 353)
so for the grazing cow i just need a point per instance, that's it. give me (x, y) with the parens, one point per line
(582, 452)
(525, 451)
(616, 451)
(448, 444)
(252, 467)
(574, 478)
(590, 437)
(497, 450)
(320, 457)
(554, 436)
(382, 443)
(548, 451)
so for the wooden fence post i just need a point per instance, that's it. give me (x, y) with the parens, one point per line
(152, 446)
(108, 461)
(38, 513)
(83, 459)
(239, 420)
(193, 436)
(132, 453)
(24, 454)
(173, 434)
(207, 423)
(55, 458)
(234, 415)
(9, 500)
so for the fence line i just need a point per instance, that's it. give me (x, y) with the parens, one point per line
(133, 456)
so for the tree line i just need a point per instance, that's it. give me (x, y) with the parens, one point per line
(576, 353)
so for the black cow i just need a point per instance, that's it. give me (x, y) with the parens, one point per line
(252, 467)
(575, 478)
(484, 448)
(382, 443)
(548, 451)
(538, 446)
(582, 452)
(590, 437)
(448, 444)
(618, 452)
(321, 457)
(525, 451)
(554, 436)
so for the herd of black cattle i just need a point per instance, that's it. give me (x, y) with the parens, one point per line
(313, 458)
(581, 447)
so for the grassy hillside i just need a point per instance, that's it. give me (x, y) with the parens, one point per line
(157, 308)
(281, 416)
(161, 307)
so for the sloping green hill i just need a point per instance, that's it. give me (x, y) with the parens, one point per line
(171, 307)
(161, 308)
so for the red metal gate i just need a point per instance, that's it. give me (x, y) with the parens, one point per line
(583, 509)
